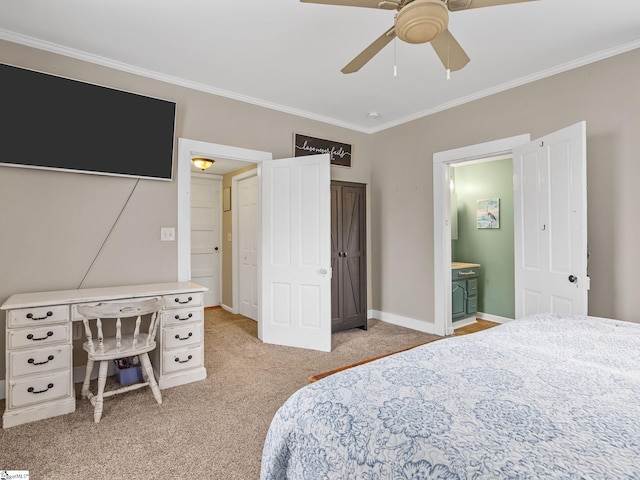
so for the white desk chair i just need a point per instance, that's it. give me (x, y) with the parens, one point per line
(106, 349)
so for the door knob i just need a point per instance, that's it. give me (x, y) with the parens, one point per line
(573, 278)
(216, 249)
(323, 271)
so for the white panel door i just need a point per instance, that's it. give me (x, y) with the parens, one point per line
(205, 235)
(550, 204)
(248, 247)
(295, 307)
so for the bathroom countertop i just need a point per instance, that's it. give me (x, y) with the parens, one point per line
(457, 265)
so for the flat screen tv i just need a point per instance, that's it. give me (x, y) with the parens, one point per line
(52, 122)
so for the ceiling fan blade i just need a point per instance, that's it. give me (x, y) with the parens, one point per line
(349, 3)
(370, 52)
(451, 54)
(455, 5)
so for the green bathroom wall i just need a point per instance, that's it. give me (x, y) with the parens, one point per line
(492, 248)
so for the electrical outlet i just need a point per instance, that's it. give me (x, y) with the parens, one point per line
(167, 234)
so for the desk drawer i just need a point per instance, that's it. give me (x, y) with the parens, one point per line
(42, 360)
(184, 359)
(180, 317)
(184, 336)
(22, 317)
(38, 390)
(38, 336)
(183, 300)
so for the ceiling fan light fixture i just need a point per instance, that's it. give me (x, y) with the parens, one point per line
(421, 21)
(202, 163)
(455, 5)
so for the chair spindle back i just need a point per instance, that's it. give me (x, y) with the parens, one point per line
(119, 311)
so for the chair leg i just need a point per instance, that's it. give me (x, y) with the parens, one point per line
(87, 378)
(146, 365)
(145, 376)
(102, 381)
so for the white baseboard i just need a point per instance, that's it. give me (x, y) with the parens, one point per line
(407, 322)
(427, 327)
(493, 318)
(228, 308)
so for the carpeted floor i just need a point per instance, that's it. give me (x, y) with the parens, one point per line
(213, 429)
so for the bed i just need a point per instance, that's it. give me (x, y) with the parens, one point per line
(547, 396)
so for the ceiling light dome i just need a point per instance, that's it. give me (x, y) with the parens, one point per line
(421, 21)
(202, 163)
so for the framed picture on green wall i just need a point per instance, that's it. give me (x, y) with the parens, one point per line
(488, 213)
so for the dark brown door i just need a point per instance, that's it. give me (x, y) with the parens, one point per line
(348, 255)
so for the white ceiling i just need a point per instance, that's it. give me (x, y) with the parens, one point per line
(287, 55)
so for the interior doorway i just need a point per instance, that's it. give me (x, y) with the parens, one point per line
(550, 222)
(442, 162)
(188, 149)
(303, 295)
(475, 186)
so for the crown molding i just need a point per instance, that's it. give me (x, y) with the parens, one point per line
(107, 62)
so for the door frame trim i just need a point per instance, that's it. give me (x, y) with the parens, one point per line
(442, 215)
(187, 149)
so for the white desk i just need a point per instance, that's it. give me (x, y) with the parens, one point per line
(39, 344)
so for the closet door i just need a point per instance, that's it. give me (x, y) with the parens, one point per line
(349, 287)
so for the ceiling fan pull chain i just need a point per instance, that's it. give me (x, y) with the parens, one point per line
(448, 60)
(395, 57)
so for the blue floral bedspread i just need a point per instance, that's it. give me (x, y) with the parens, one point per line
(548, 396)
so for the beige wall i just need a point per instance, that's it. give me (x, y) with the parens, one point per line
(605, 94)
(54, 223)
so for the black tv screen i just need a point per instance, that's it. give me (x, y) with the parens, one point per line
(57, 123)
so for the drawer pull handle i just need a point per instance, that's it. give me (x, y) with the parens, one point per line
(177, 300)
(470, 272)
(177, 360)
(33, 362)
(33, 390)
(178, 337)
(30, 316)
(31, 337)
(177, 317)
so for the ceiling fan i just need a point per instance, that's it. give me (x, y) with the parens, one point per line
(417, 21)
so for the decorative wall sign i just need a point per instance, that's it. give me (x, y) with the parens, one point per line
(340, 152)
(488, 215)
